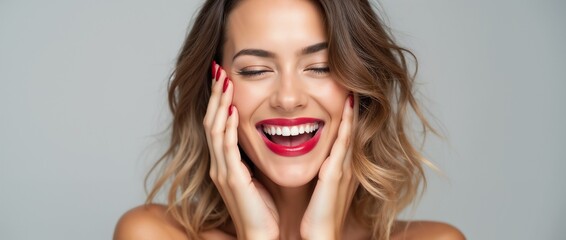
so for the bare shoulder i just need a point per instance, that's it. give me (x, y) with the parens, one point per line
(152, 222)
(148, 222)
(425, 230)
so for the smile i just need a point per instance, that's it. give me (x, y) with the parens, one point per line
(290, 137)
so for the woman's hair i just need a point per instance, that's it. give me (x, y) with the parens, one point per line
(363, 58)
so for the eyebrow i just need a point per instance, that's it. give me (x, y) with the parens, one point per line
(266, 54)
(314, 48)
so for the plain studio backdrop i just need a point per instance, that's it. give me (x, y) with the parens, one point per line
(82, 100)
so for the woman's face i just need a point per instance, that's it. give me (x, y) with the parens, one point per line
(276, 56)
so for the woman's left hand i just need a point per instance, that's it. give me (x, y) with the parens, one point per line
(336, 185)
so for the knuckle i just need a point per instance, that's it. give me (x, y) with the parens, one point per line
(221, 180)
(228, 143)
(206, 122)
(213, 176)
(232, 181)
(336, 176)
(216, 131)
(214, 90)
(346, 140)
(347, 175)
(339, 175)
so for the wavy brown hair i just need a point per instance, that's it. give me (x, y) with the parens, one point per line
(364, 59)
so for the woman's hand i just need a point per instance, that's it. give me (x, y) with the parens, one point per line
(336, 185)
(251, 207)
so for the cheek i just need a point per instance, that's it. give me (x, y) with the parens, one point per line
(247, 98)
(331, 96)
(241, 98)
(251, 92)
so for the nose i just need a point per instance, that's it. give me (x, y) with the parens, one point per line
(289, 94)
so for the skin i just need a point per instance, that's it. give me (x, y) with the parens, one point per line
(151, 222)
(291, 86)
(302, 197)
(277, 202)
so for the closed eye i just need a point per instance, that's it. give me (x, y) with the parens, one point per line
(321, 70)
(252, 73)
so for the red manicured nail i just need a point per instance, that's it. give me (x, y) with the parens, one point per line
(212, 69)
(226, 80)
(218, 72)
(351, 98)
(230, 110)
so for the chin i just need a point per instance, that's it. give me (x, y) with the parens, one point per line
(291, 175)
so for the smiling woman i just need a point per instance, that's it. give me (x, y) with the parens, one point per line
(298, 134)
(282, 80)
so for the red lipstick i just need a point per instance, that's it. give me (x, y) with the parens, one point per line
(290, 151)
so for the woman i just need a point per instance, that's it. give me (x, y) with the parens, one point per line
(299, 134)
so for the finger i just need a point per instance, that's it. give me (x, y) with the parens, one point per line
(348, 184)
(213, 72)
(236, 169)
(353, 118)
(212, 108)
(207, 122)
(216, 93)
(341, 145)
(213, 101)
(352, 184)
(332, 175)
(219, 126)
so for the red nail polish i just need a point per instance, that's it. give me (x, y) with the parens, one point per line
(230, 110)
(212, 69)
(218, 72)
(351, 98)
(226, 80)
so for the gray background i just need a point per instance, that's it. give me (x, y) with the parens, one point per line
(82, 109)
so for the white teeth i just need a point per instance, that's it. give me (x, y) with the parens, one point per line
(294, 131)
(290, 130)
(286, 131)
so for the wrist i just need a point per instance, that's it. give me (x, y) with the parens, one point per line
(321, 235)
(259, 236)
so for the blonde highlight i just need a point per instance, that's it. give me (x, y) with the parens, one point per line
(365, 60)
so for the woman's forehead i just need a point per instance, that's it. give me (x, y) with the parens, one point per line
(274, 24)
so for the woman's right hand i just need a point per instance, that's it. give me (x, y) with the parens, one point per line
(250, 205)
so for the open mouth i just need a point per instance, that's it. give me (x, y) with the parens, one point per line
(290, 137)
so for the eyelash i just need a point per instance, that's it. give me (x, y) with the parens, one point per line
(322, 70)
(252, 73)
(246, 73)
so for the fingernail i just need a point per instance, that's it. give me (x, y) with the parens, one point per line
(351, 98)
(226, 80)
(230, 110)
(212, 69)
(225, 86)
(218, 72)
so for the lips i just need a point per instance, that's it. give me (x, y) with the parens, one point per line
(290, 137)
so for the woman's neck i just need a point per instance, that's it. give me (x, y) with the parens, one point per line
(291, 203)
